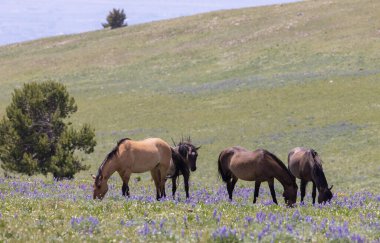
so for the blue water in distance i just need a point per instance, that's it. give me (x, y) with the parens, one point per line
(23, 20)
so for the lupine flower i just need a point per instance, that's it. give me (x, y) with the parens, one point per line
(144, 231)
(357, 238)
(214, 213)
(162, 223)
(249, 219)
(185, 220)
(260, 217)
(289, 228)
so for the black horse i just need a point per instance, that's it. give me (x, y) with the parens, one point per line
(184, 158)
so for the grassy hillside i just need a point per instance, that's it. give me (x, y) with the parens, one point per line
(277, 77)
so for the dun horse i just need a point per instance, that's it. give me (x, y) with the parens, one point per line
(184, 159)
(152, 154)
(306, 165)
(239, 163)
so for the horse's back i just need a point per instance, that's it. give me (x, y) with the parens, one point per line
(246, 164)
(149, 144)
(146, 154)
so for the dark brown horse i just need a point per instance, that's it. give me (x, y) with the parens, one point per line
(152, 154)
(184, 160)
(239, 163)
(306, 165)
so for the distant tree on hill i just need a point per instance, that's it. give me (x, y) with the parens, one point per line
(115, 19)
(35, 136)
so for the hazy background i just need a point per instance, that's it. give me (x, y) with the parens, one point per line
(22, 20)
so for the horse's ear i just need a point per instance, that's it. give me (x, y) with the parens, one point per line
(331, 187)
(196, 148)
(93, 176)
(174, 142)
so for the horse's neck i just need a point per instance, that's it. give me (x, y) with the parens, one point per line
(318, 176)
(284, 178)
(109, 168)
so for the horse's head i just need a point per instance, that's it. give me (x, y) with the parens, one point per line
(290, 194)
(325, 195)
(100, 186)
(190, 153)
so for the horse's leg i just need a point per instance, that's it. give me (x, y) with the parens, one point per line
(155, 176)
(314, 193)
(272, 192)
(231, 186)
(174, 185)
(256, 193)
(125, 188)
(303, 189)
(162, 172)
(186, 177)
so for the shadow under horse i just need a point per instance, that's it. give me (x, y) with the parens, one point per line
(129, 156)
(260, 165)
(306, 165)
(184, 160)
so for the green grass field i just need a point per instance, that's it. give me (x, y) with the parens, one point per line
(276, 77)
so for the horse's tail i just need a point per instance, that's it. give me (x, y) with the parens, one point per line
(289, 156)
(224, 173)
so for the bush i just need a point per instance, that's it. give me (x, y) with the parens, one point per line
(35, 137)
(115, 19)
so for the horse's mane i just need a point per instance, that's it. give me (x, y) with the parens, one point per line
(316, 157)
(111, 154)
(282, 165)
(319, 175)
(186, 141)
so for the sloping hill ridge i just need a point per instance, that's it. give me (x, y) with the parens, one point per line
(300, 74)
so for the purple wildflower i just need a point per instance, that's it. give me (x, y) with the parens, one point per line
(185, 220)
(357, 238)
(145, 230)
(214, 213)
(249, 219)
(260, 217)
(162, 223)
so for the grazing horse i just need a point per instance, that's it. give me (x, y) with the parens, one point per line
(152, 154)
(184, 159)
(306, 165)
(260, 165)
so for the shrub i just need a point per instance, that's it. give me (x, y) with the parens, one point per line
(35, 136)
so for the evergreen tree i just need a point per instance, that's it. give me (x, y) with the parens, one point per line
(35, 136)
(115, 19)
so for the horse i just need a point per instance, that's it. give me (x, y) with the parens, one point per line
(129, 156)
(260, 165)
(306, 165)
(184, 159)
